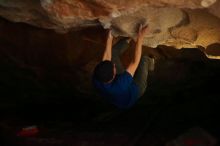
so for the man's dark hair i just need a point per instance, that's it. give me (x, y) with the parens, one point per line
(104, 71)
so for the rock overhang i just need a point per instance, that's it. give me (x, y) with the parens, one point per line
(180, 24)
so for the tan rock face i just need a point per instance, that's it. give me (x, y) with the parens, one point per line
(214, 9)
(176, 23)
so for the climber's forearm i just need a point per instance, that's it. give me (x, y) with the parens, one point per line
(108, 49)
(136, 59)
(138, 52)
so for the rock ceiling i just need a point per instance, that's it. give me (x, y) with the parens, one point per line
(177, 23)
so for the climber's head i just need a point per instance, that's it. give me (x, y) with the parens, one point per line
(105, 71)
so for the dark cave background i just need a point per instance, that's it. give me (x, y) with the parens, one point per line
(42, 80)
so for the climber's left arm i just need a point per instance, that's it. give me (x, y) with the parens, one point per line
(108, 49)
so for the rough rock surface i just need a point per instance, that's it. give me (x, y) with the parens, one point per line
(176, 23)
(155, 18)
(40, 58)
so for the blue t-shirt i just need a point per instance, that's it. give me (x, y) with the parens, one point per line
(122, 91)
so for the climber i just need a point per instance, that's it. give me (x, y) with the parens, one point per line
(122, 87)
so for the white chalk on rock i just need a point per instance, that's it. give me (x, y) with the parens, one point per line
(207, 3)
